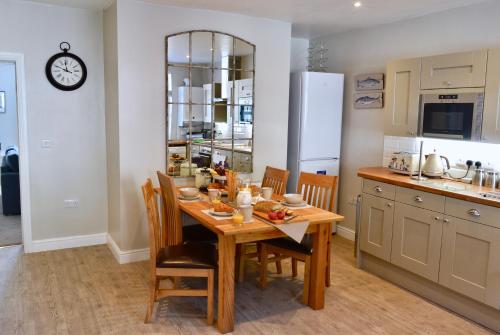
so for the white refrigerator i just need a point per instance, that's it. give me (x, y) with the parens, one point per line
(315, 124)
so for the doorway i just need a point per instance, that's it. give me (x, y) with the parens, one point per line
(15, 221)
(10, 192)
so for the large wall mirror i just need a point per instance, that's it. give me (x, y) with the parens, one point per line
(210, 102)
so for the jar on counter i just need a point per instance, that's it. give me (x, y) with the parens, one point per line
(491, 179)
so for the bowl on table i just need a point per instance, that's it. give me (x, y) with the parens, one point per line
(293, 198)
(188, 192)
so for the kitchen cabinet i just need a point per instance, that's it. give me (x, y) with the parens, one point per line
(402, 97)
(491, 115)
(464, 69)
(376, 226)
(470, 260)
(416, 241)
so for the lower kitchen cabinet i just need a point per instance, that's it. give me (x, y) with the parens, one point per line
(470, 260)
(376, 226)
(416, 240)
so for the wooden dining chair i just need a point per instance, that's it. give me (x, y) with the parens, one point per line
(183, 260)
(174, 231)
(319, 191)
(277, 179)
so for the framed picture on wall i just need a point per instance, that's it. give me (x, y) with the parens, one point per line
(369, 100)
(2, 102)
(369, 82)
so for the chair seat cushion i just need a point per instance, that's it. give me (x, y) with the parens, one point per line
(187, 256)
(305, 247)
(198, 234)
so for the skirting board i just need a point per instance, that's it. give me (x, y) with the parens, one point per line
(346, 233)
(67, 242)
(126, 256)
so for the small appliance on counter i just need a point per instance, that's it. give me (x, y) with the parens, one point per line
(434, 167)
(404, 163)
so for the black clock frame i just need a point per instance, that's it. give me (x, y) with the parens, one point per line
(65, 53)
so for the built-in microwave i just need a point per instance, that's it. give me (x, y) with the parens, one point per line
(452, 114)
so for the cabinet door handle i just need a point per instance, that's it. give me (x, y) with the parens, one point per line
(446, 220)
(447, 83)
(474, 212)
(389, 205)
(419, 199)
(437, 218)
(378, 189)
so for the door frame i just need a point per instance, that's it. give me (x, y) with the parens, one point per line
(22, 132)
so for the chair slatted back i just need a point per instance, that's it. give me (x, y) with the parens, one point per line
(172, 232)
(276, 179)
(318, 190)
(153, 220)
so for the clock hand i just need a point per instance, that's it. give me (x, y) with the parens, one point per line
(61, 68)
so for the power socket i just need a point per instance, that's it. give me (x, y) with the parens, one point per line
(71, 203)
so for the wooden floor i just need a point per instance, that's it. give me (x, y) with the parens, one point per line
(84, 291)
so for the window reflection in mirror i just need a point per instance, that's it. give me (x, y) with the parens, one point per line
(210, 102)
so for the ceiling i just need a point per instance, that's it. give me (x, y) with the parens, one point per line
(310, 18)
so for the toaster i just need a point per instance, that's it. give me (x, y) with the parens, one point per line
(404, 163)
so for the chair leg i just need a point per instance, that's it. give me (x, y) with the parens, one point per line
(153, 287)
(210, 297)
(294, 267)
(263, 266)
(279, 269)
(259, 246)
(307, 280)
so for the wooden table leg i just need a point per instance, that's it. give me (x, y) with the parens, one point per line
(225, 313)
(318, 267)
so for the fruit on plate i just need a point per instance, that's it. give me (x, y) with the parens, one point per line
(267, 206)
(281, 215)
(272, 215)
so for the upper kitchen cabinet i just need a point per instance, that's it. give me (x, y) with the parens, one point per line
(491, 115)
(465, 69)
(402, 97)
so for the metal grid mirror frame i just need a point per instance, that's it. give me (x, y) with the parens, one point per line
(232, 69)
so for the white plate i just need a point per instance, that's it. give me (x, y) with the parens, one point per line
(189, 198)
(302, 204)
(224, 214)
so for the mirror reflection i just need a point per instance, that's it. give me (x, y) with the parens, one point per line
(210, 104)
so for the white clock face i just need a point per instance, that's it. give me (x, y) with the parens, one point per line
(66, 71)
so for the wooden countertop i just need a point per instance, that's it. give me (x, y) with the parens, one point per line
(443, 187)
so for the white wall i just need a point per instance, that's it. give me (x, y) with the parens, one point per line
(299, 54)
(8, 120)
(142, 29)
(75, 166)
(366, 51)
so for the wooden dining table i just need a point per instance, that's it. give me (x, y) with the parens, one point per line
(230, 234)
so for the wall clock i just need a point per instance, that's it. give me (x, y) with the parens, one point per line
(66, 71)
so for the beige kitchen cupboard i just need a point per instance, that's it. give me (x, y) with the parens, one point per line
(416, 240)
(470, 260)
(452, 242)
(491, 116)
(377, 215)
(458, 70)
(402, 97)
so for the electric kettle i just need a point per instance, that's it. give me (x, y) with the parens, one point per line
(434, 167)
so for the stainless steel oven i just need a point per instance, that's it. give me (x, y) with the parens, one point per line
(452, 114)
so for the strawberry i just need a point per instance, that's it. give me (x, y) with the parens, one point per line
(272, 215)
